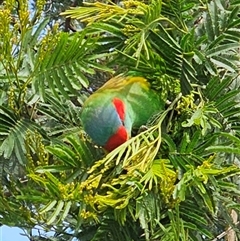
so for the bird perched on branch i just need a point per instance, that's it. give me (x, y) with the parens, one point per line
(122, 104)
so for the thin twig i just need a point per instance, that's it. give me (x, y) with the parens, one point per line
(68, 25)
(223, 234)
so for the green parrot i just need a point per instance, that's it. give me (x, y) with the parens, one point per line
(122, 104)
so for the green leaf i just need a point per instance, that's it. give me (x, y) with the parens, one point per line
(224, 149)
(56, 212)
(221, 62)
(48, 207)
(221, 49)
(64, 154)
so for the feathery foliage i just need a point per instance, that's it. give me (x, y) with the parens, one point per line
(176, 180)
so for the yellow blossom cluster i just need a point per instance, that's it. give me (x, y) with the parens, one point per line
(186, 103)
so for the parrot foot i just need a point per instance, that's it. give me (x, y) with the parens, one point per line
(142, 128)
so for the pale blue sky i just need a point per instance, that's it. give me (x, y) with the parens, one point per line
(17, 234)
(12, 234)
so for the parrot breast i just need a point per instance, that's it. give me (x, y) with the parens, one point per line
(103, 119)
(117, 139)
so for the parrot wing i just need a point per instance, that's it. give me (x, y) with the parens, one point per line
(144, 103)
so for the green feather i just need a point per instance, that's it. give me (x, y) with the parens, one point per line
(99, 117)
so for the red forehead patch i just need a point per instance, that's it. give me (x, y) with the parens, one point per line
(120, 108)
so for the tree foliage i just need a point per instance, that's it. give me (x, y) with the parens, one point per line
(176, 180)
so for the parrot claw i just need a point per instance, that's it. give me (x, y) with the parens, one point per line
(142, 128)
(168, 102)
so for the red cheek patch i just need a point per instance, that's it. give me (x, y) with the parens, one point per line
(120, 108)
(117, 139)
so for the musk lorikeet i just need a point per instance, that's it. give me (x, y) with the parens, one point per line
(120, 105)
